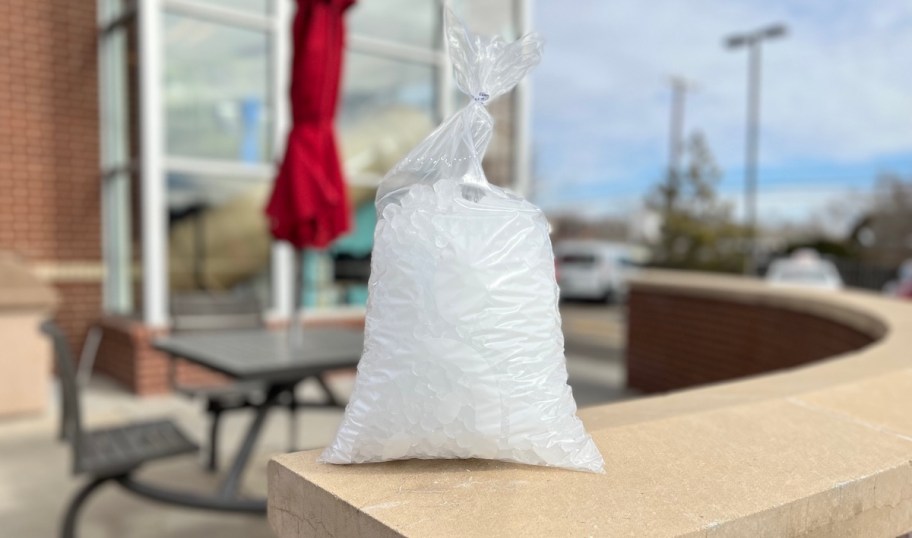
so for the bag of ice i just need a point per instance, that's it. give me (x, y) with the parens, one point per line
(463, 353)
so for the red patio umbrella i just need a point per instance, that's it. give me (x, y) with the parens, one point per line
(308, 205)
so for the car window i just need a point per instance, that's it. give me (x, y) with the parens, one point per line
(801, 274)
(577, 259)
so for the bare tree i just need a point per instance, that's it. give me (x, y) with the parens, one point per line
(698, 231)
(884, 235)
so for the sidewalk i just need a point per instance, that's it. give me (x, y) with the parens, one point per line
(36, 483)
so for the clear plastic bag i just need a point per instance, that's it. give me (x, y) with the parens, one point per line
(463, 354)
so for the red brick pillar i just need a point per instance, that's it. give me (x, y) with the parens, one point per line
(50, 211)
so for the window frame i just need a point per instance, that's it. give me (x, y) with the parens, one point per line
(155, 163)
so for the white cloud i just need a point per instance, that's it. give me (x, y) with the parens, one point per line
(837, 208)
(837, 89)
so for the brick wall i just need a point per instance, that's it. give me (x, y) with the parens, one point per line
(677, 341)
(49, 180)
(126, 355)
(80, 305)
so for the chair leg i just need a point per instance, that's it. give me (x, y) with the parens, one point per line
(215, 418)
(64, 420)
(69, 519)
(293, 422)
(330, 396)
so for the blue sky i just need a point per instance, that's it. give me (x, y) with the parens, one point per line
(837, 99)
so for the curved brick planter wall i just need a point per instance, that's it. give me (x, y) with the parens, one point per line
(676, 340)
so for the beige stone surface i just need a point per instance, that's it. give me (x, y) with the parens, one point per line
(25, 363)
(21, 288)
(822, 450)
(25, 356)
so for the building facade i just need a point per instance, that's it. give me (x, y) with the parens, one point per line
(140, 141)
(50, 209)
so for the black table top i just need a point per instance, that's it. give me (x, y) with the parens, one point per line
(261, 354)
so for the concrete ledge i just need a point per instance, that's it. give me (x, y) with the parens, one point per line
(818, 450)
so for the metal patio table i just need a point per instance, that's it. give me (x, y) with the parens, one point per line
(278, 359)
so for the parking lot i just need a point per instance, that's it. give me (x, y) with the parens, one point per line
(594, 336)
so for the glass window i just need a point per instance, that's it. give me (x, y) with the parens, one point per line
(216, 92)
(498, 160)
(578, 259)
(258, 7)
(109, 10)
(412, 22)
(387, 107)
(372, 84)
(486, 17)
(117, 154)
(218, 236)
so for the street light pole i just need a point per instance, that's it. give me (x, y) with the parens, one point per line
(753, 41)
(752, 149)
(679, 88)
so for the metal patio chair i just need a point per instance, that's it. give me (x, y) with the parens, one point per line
(206, 311)
(109, 453)
(83, 371)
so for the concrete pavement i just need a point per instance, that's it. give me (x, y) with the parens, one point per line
(36, 484)
(594, 339)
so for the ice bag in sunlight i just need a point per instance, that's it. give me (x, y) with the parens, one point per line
(463, 354)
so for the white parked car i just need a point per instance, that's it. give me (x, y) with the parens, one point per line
(902, 285)
(804, 269)
(594, 270)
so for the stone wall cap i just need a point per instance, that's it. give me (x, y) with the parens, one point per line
(821, 450)
(21, 288)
